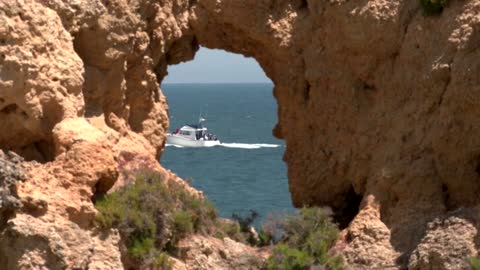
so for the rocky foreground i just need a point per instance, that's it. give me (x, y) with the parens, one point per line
(378, 103)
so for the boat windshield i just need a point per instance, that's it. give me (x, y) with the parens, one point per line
(185, 132)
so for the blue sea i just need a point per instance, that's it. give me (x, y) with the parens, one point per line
(246, 172)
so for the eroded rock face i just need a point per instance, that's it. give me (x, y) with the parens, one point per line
(378, 105)
(41, 77)
(449, 240)
(375, 101)
(11, 174)
(205, 253)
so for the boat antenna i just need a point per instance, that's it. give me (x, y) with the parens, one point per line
(201, 119)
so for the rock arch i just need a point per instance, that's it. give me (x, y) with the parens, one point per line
(375, 101)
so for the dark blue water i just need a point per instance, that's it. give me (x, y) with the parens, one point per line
(247, 171)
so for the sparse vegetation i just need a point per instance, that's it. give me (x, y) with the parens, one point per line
(432, 7)
(183, 222)
(287, 258)
(304, 240)
(162, 262)
(231, 229)
(475, 263)
(245, 222)
(241, 230)
(246, 226)
(152, 215)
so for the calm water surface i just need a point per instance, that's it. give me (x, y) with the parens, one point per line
(247, 171)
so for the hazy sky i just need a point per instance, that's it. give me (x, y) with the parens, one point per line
(216, 66)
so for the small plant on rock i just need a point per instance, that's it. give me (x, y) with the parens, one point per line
(474, 263)
(152, 215)
(286, 258)
(305, 241)
(239, 228)
(229, 228)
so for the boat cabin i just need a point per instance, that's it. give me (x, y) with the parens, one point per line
(195, 133)
(192, 132)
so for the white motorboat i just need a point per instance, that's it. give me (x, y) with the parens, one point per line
(193, 136)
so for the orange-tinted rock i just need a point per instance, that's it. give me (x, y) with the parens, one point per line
(205, 253)
(378, 105)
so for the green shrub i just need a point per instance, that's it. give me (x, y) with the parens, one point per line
(265, 238)
(305, 240)
(183, 222)
(298, 228)
(475, 263)
(238, 229)
(432, 7)
(140, 247)
(162, 262)
(287, 258)
(229, 228)
(153, 214)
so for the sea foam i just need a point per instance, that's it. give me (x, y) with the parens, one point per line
(249, 145)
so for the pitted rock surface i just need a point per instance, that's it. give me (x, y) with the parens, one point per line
(378, 105)
(11, 173)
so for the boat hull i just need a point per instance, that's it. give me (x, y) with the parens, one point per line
(185, 142)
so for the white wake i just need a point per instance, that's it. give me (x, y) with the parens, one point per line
(249, 145)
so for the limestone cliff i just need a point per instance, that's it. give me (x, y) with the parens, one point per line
(378, 105)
